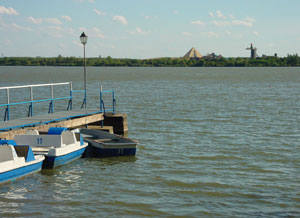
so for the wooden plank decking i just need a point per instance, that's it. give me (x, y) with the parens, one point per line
(70, 119)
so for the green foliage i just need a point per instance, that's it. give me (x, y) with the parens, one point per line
(290, 60)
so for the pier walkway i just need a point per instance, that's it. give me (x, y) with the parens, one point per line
(48, 118)
(70, 119)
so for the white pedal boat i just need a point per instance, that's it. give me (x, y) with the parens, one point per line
(59, 145)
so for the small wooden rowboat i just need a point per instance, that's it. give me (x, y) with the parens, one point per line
(104, 144)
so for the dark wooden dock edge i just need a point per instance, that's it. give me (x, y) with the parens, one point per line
(117, 122)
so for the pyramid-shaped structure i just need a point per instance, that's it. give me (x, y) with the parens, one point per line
(193, 53)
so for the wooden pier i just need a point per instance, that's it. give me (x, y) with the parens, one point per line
(103, 117)
(116, 123)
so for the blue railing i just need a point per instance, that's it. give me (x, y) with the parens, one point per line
(31, 102)
(108, 107)
(103, 106)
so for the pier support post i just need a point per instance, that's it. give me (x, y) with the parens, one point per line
(118, 122)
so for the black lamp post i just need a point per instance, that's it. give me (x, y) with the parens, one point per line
(83, 39)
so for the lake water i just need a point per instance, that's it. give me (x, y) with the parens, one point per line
(213, 142)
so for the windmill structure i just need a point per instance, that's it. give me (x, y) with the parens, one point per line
(253, 51)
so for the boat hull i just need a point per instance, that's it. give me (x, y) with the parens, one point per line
(51, 162)
(104, 144)
(20, 172)
(95, 151)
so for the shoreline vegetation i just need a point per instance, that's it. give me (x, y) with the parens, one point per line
(266, 61)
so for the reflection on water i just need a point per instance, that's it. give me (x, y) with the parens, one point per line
(108, 161)
(213, 142)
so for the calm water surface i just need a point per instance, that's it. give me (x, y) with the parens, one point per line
(213, 142)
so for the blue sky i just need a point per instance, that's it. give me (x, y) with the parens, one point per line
(148, 28)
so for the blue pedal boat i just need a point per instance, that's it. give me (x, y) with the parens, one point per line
(59, 145)
(17, 161)
(105, 144)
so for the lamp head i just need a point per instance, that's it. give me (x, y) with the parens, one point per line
(83, 38)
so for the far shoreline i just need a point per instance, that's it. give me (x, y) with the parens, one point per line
(267, 61)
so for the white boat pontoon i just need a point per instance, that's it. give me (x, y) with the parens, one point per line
(17, 161)
(59, 145)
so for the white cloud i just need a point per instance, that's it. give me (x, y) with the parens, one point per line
(234, 35)
(231, 16)
(220, 15)
(120, 19)
(220, 23)
(82, 29)
(35, 20)
(186, 34)
(8, 11)
(62, 45)
(67, 18)
(198, 22)
(100, 36)
(54, 21)
(17, 27)
(12, 27)
(71, 31)
(217, 14)
(247, 22)
(95, 32)
(256, 33)
(147, 17)
(212, 34)
(57, 28)
(57, 31)
(221, 20)
(96, 29)
(77, 43)
(90, 1)
(99, 12)
(92, 32)
(138, 30)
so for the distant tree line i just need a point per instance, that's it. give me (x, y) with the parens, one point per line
(267, 61)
